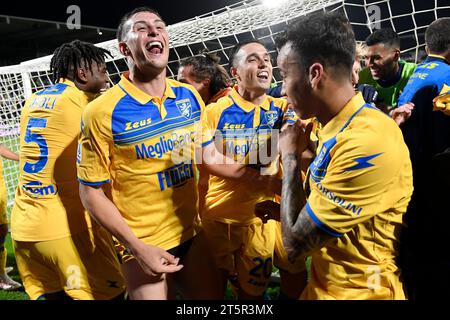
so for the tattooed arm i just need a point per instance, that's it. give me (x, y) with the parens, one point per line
(300, 234)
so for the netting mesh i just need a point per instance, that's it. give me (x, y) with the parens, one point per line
(218, 31)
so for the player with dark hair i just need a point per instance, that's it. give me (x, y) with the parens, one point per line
(349, 214)
(238, 127)
(427, 134)
(212, 81)
(206, 75)
(385, 71)
(138, 137)
(61, 253)
(369, 93)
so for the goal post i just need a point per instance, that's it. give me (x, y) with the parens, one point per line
(219, 31)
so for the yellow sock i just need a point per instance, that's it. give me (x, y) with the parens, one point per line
(3, 262)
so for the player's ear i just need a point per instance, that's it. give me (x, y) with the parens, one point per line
(427, 50)
(396, 55)
(81, 75)
(316, 72)
(206, 82)
(124, 50)
(234, 73)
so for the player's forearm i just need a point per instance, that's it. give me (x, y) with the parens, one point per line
(215, 163)
(106, 214)
(8, 154)
(292, 201)
(245, 174)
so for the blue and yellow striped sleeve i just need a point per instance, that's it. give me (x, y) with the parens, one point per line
(356, 184)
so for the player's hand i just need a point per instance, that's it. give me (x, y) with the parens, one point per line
(267, 210)
(402, 113)
(295, 139)
(156, 261)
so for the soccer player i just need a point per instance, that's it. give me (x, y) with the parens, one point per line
(427, 134)
(385, 71)
(60, 252)
(212, 82)
(239, 126)
(350, 211)
(6, 283)
(206, 75)
(369, 93)
(138, 137)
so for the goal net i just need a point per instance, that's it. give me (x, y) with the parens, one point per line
(218, 31)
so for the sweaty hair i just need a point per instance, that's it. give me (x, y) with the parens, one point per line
(388, 37)
(437, 36)
(206, 66)
(73, 55)
(122, 31)
(238, 47)
(326, 38)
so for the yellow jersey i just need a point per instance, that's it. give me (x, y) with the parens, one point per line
(239, 130)
(360, 185)
(47, 204)
(143, 146)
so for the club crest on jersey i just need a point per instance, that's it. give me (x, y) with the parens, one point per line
(271, 118)
(185, 107)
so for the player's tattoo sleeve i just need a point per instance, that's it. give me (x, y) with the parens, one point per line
(300, 234)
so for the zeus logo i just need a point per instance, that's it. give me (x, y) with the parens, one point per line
(363, 162)
(137, 124)
(231, 126)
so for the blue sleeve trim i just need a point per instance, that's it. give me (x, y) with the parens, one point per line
(204, 144)
(93, 184)
(319, 223)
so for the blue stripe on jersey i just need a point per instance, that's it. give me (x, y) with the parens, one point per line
(54, 90)
(93, 184)
(163, 129)
(318, 168)
(133, 122)
(320, 224)
(234, 119)
(207, 143)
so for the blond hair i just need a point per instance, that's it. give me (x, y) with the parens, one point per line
(360, 51)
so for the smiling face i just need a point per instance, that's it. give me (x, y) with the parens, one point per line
(382, 61)
(147, 42)
(253, 68)
(97, 78)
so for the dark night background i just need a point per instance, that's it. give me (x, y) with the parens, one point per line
(23, 40)
(101, 13)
